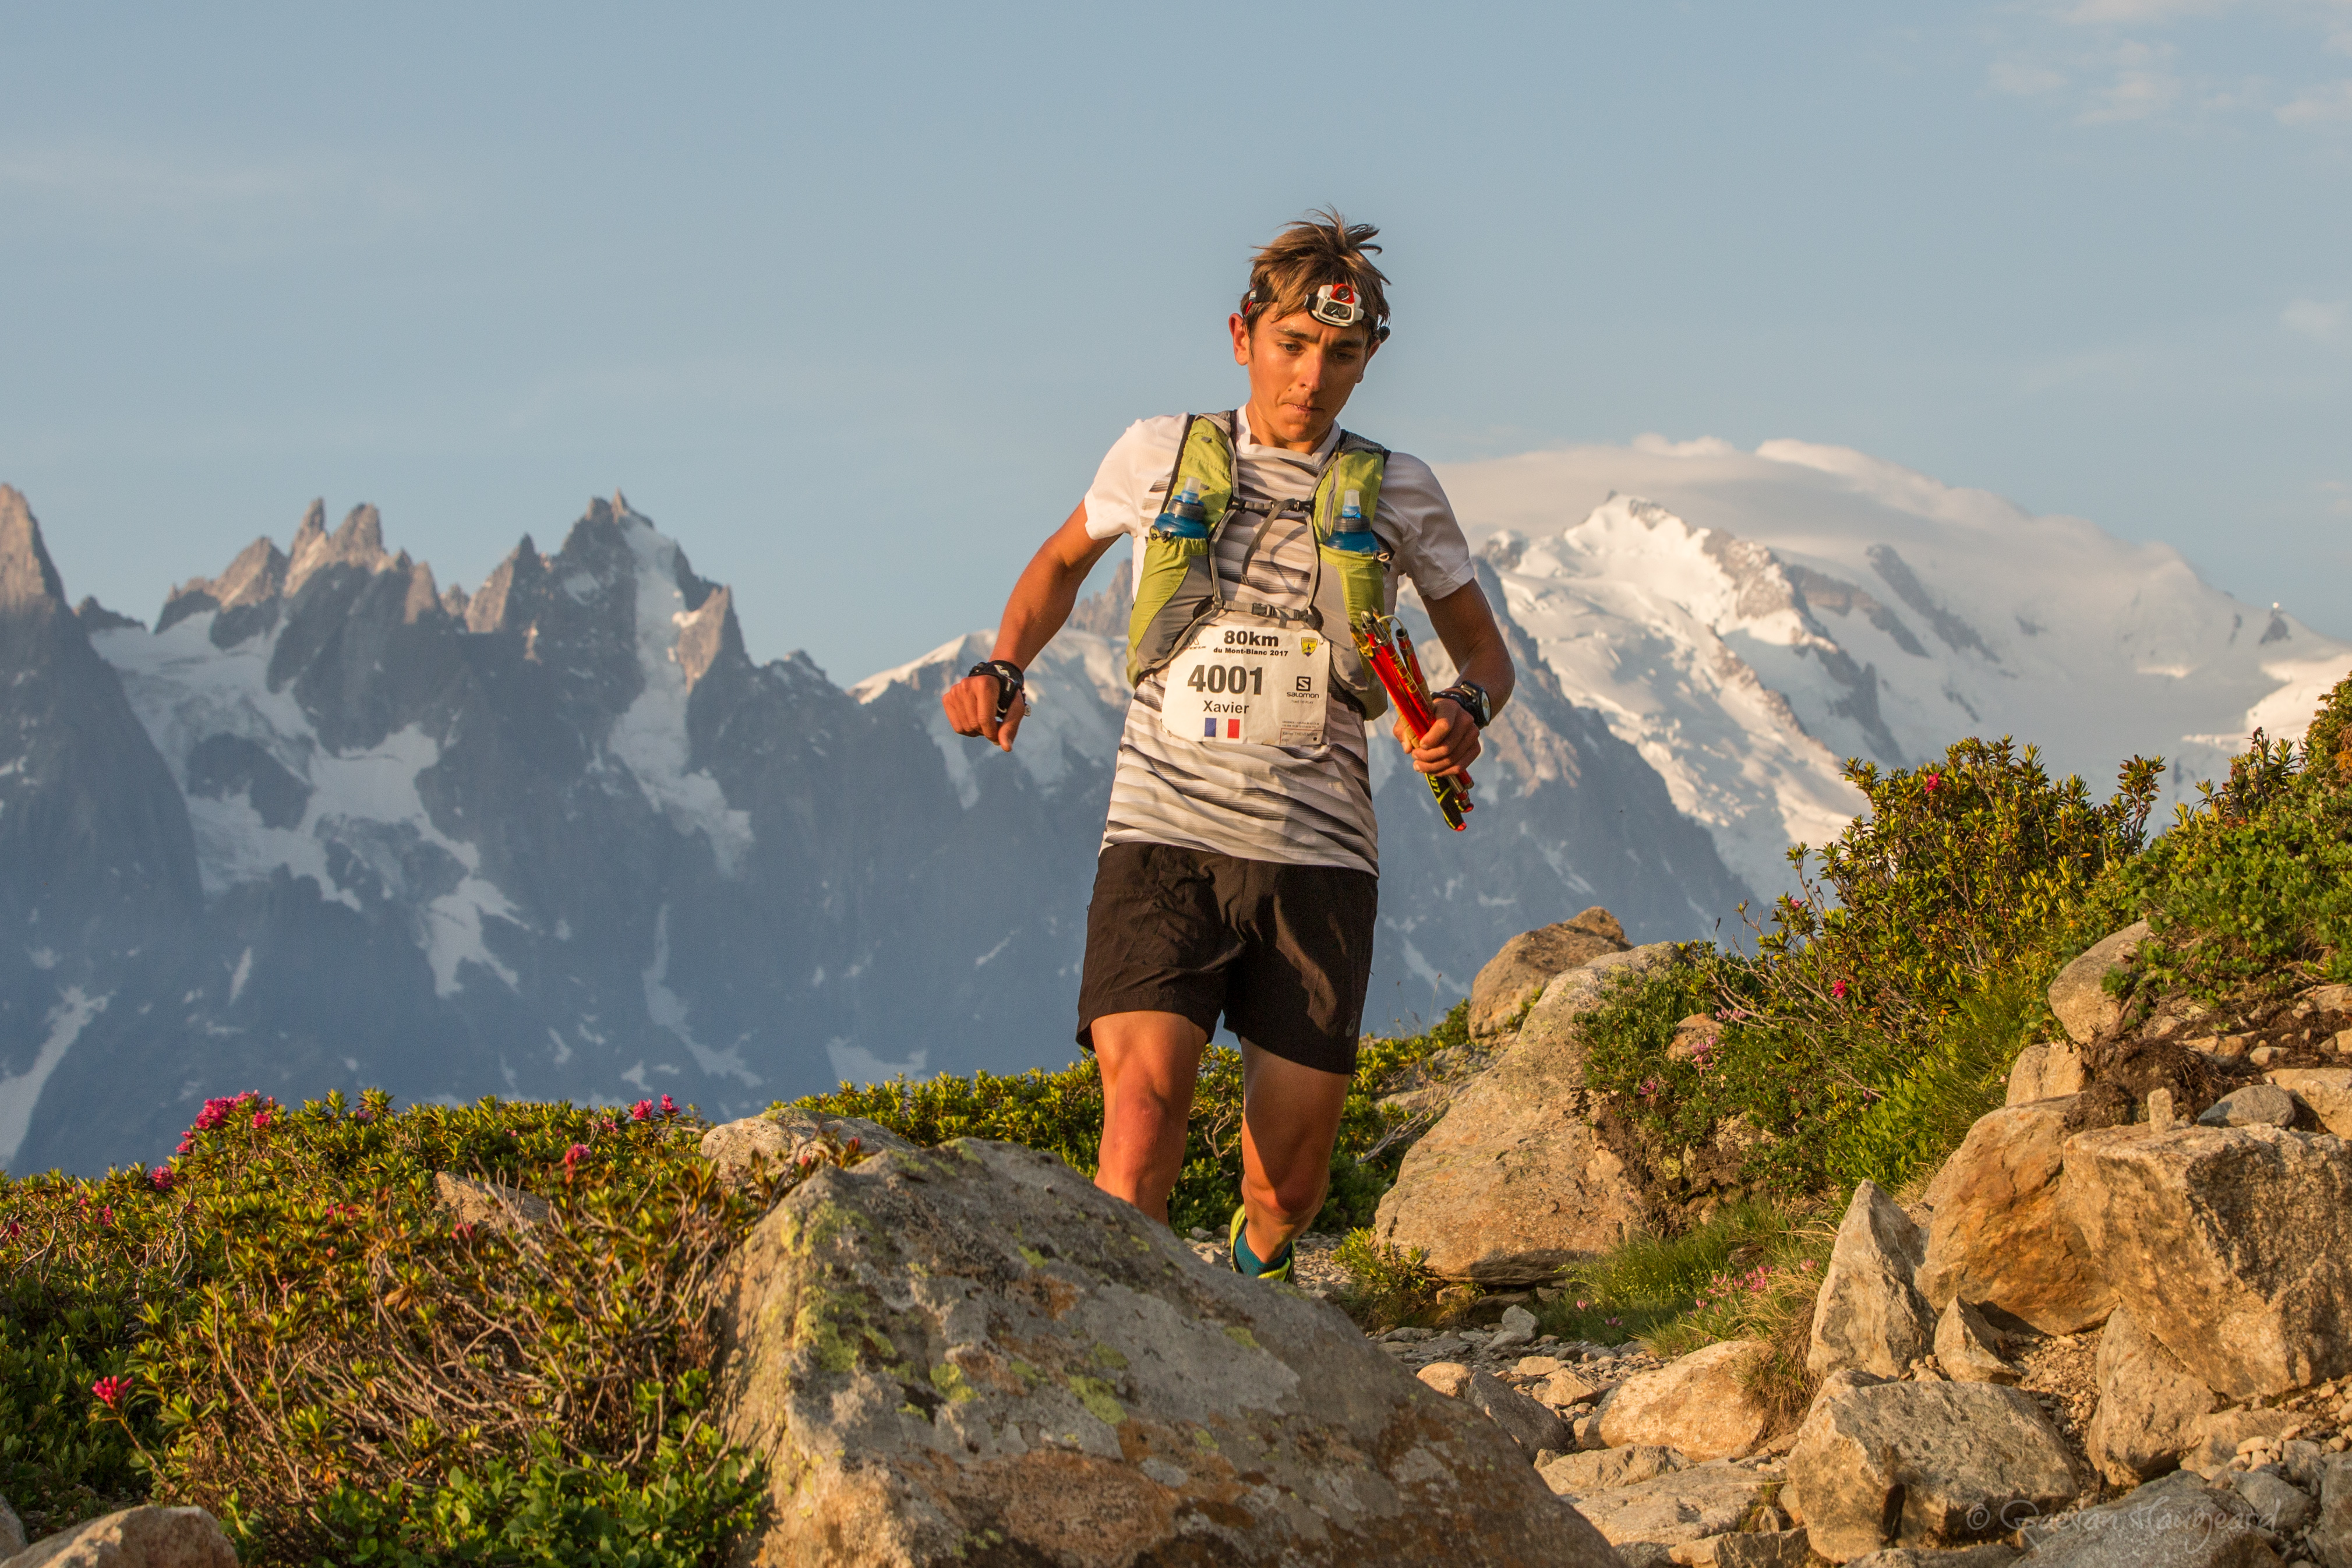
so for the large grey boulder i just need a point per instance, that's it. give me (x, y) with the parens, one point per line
(1924, 1464)
(1646, 1521)
(1698, 1404)
(2176, 1522)
(2231, 1245)
(2079, 994)
(12, 1530)
(1868, 1314)
(1996, 1237)
(1518, 973)
(971, 1350)
(1514, 1183)
(146, 1537)
(2149, 1404)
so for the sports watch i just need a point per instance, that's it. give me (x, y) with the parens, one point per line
(1009, 682)
(1474, 698)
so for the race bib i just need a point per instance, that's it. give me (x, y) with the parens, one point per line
(1249, 685)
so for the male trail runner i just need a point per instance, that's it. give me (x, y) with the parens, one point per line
(1239, 868)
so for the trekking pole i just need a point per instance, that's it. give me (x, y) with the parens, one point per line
(1387, 647)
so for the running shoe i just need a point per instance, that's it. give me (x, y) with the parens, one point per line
(1235, 1246)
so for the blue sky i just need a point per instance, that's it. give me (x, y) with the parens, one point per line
(850, 299)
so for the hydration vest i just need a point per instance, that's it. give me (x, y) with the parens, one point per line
(1178, 591)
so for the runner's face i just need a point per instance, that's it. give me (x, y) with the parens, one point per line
(1301, 372)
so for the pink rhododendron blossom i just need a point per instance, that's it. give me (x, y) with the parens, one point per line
(1837, 989)
(642, 1111)
(110, 1389)
(574, 1155)
(668, 1108)
(1935, 782)
(261, 1118)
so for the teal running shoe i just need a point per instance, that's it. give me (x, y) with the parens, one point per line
(1244, 1261)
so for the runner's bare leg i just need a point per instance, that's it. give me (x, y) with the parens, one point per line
(1291, 1118)
(1148, 1063)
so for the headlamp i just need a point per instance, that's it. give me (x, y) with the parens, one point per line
(1334, 305)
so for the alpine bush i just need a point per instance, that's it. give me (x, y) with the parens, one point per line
(287, 1328)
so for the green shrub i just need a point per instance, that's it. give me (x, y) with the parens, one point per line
(292, 1332)
(1891, 992)
(1388, 1286)
(2252, 886)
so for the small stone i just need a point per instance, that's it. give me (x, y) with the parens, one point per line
(149, 1534)
(2160, 1116)
(2256, 1105)
(1965, 1347)
(1574, 1474)
(2262, 1055)
(2278, 1506)
(1517, 1328)
(491, 1205)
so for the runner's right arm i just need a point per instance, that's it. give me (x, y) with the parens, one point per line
(1042, 600)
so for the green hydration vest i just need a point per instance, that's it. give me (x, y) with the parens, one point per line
(1178, 591)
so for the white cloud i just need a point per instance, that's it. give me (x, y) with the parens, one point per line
(2319, 105)
(2320, 321)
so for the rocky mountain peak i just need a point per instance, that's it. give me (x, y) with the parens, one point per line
(256, 576)
(28, 576)
(358, 542)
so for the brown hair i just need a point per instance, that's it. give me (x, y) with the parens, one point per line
(1321, 247)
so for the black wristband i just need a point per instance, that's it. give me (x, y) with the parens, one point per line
(1009, 682)
(1473, 700)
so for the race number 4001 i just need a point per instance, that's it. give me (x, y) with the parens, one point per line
(1249, 685)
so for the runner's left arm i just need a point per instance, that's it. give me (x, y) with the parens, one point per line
(1466, 624)
(1041, 601)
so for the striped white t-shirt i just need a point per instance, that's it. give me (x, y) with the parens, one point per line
(1303, 805)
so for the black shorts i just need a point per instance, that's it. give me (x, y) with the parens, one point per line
(1284, 953)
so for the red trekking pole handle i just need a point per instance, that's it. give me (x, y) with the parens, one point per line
(1383, 642)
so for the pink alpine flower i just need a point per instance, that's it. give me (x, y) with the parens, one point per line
(260, 1119)
(642, 1111)
(1935, 783)
(110, 1389)
(574, 1155)
(668, 1108)
(1837, 989)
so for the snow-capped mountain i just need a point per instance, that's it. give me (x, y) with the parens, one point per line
(328, 827)
(1748, 620)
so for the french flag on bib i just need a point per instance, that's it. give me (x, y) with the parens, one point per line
(1209, 729)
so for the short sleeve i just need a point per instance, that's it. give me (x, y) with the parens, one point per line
(1418, 522)
(1117, 502)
